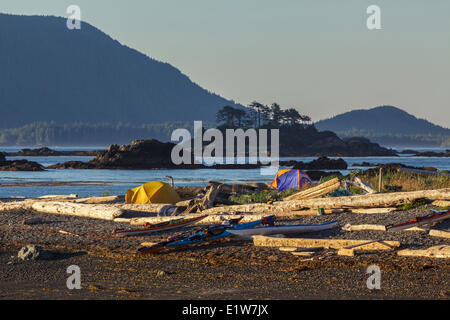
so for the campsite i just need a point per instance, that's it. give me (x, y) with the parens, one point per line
(291, 238)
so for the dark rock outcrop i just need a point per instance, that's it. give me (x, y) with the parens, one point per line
(73, 165)
(433, 154)
(311, 142)
(19, 165)
(321, 163)
(363, 147)
(153, 154)
(47, 152)
(446, 153)
(316, 175)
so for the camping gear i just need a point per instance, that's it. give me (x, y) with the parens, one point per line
(418, 221)
(163, 226)
(152, 192)
(212, 233)
(290, 179)
(283, 229)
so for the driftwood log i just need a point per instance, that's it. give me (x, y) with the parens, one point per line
(441, 203)
(98, 211)
(439, 233)
(364, 201)
(442, 252)
(264, 241)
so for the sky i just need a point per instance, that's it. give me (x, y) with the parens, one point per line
(317, 56)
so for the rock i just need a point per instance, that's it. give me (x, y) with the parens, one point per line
(47, 152)
(272, 258)
(321, 163)
(32, 252)
(72, 165)
(316, 175)
(427, 153)
(42, 152)
(153, 154)
(20, 165)
(162, 273)
(362, 147)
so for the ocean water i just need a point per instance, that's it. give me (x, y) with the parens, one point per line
(102, 182)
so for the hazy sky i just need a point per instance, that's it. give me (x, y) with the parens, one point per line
(315, 55)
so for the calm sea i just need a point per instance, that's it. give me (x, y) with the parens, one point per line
(100, 182)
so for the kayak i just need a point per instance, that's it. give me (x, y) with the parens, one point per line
(283, 229)
(208, 234)
(418, 221)
(163, 226)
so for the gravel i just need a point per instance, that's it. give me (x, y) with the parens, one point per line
(229, 268)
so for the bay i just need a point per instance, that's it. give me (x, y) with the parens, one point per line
(102, 182)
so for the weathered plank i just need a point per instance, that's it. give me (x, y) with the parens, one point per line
(372, 210)
(264, 241)
(439, 233)
(377, 227)
(442, 252)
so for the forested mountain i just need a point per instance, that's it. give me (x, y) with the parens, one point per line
(51, 73)
(387, 125)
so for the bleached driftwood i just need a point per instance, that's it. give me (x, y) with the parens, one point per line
(58, 197)
(15, 205)
(439, 233)
(316, 191)
(441, 203)
(264, 241)
(377, 227)
(98, 211)
(372, 210)
(361, 184)
(442, 252)
(369, 201)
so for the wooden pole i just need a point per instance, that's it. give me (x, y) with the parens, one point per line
(380, 180)
(171, 179)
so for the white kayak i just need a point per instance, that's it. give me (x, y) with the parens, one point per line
(283, 229)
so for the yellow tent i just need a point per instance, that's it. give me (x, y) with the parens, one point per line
(152, 192)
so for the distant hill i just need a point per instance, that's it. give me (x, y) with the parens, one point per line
(387, 125)
(51, 73)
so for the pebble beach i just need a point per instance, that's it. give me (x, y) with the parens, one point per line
(226, 269)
